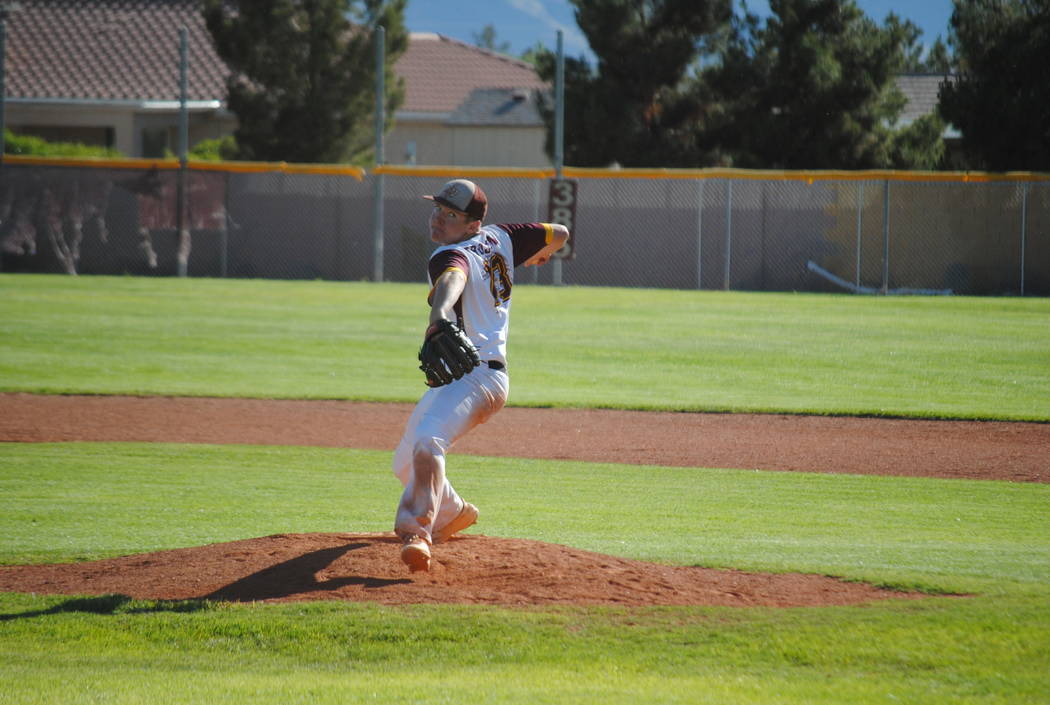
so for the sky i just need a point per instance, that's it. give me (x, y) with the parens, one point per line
(523, 23)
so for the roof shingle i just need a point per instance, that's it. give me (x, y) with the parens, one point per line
(129, 50)
(441, 73)
(498, 107)
(109, 50)
(921, 91)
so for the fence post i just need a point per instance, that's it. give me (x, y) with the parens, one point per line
(885, 236)
(699, 232)
(182, 257)
(729, 234)
(559, 135)
(224, 255)
(377, 200)
(860, 225)
(1024, 228)
(3, 90)
(536, 218)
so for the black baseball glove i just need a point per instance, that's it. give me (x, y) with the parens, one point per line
(447, 354)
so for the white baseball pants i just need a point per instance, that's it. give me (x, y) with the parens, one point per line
(441, 417)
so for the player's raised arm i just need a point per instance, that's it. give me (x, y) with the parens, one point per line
(559, 235)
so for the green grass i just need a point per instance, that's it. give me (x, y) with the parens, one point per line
(944, 535)
(618, 348)
(81, 501)
(924, 357)
(81, 651)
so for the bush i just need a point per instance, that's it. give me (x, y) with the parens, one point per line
(214, 150)
(29, 146)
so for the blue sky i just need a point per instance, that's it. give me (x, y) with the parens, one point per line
(522, 23)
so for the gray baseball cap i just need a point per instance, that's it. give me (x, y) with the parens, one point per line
(462, 195)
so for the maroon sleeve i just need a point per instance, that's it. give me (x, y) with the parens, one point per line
(445, 260)
(527, 239)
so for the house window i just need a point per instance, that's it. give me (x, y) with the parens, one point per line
(156, 142)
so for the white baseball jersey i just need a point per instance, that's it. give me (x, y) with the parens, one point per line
(488, 259)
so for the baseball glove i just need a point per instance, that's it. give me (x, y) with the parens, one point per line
(447, 354)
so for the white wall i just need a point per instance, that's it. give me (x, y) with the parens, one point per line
(439, 144)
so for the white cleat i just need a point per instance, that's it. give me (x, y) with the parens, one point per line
(415, 553)
(466, 517)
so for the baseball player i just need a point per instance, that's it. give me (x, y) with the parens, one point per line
(464, 356)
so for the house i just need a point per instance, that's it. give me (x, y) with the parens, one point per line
(921, 93)
(106, 72)
(466, 106)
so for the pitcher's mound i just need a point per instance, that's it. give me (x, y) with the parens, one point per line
(470, 569)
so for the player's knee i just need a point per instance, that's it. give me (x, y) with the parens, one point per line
(427, 449)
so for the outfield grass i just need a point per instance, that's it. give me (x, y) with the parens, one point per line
(618, 348)
(947, 357)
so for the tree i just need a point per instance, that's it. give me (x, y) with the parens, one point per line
(532, 54)
(813, 88)
(302, 74)
(917, 57)
(486, 39)
(1000, 100)
(633, 108)
(939, 58)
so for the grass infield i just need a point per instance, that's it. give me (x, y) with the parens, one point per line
(958, 358)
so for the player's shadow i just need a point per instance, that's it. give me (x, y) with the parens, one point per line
(296, 576)
(111, 604)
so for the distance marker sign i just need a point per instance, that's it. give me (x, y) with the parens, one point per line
(561, 208)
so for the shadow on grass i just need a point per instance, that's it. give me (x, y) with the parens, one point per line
(112, 604)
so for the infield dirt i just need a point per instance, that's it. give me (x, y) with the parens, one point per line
(480, 569)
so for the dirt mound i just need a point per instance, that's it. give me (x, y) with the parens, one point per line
(470, 569)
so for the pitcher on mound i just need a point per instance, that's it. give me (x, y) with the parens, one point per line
(464, 356)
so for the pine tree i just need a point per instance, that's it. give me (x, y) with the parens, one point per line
(813, 88)
(486, 39)
(1000, 100)
(302, 74)
(634, 108)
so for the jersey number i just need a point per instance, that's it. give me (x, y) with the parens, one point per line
(499, 278)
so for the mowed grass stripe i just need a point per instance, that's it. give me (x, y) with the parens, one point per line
(619, 348)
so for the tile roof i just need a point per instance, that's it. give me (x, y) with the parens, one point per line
(921, 93)
(503, 107)
(109, 50)
(441, 73)
(129, 50)
(920, 89)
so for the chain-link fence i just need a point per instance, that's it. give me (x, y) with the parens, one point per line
(779, 231)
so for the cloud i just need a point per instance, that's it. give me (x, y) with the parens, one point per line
(574, 40)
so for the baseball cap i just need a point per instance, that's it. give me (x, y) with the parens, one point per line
(464, 196)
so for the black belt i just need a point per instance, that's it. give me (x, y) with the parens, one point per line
(496, 365)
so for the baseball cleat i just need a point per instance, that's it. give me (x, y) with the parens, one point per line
(466, 517)
(415, 553)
